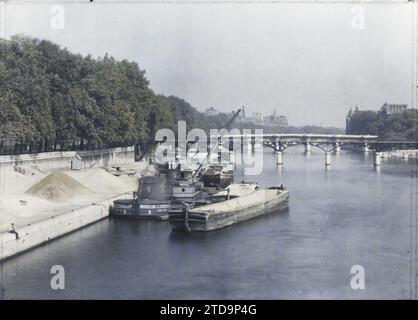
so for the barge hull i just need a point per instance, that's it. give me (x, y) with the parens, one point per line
(207, 221)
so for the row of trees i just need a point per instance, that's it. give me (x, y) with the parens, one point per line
(397, 126)
(52, 99)
(304, 129)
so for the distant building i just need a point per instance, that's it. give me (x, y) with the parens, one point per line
(257, 116)
(211, 111)
(350, 113)
(386, 109)
(282, 121)
(348, 118)
(243, 112)
(243, 116)
(258, 119)
(393, 108)
(276, 119)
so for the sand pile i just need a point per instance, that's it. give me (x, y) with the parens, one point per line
(18, 183)
(99, 180)
(33, 195)
(58, 186)
(131, 182)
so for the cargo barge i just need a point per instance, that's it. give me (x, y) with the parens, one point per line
(244, 201)
(153, 200)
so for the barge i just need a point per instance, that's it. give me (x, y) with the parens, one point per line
(157, 195)
(243, 201)
(151, 201)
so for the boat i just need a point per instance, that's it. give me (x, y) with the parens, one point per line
(178, 184)
(152, 200)
(243, 201)
(157, 195)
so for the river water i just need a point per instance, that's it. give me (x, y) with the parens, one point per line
(348, 215)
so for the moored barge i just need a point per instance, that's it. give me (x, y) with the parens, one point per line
(151, 201)
(245, 201)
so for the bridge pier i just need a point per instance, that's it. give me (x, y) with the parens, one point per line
(248, 145)
(366, 147)
(279, 171)
(377, 158)
(232, 156)
(230, 144)
(308, 147)
(337, 147)
(279, 158)
(327, 158)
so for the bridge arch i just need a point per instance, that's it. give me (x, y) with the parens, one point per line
(284, 146)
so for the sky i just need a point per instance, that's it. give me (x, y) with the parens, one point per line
(310, 62)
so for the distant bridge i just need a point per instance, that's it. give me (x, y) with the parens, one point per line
(326, 142)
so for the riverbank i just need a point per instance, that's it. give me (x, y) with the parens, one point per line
(38, 205)
(31, 235)
(412, 153)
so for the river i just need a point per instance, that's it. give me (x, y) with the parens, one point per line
(348, 215)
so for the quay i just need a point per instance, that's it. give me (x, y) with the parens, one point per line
(26, 237)
(45, 196)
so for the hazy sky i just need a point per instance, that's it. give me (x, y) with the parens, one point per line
(310, 62)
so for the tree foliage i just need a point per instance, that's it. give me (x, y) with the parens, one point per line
(52, 99)
(397, 126)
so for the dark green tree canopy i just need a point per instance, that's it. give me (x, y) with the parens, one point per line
(397, 126)
(52, 99)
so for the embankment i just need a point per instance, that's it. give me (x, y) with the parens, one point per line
(413, 153)
(67, 160)
(32, 235)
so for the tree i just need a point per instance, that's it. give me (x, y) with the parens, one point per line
(397, 126)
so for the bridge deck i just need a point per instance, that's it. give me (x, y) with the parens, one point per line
(307, 137)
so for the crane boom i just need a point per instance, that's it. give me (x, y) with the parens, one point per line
(214, 146)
